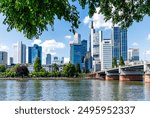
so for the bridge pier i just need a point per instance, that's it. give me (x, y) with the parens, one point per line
(102, 77)
(147, 72)
(130, 74)
(112, 77)
(131, 77)
(147, 78)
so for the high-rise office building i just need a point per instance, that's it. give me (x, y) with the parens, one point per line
(33, 53)
(133, 54)
(87, 61)
(84, 49)
(77, 38)
(76, 54)
(19, 53)
(56, 60)
(78, 50)
(95, 47)
(3, 57)
(106, 54)
(11, 61)
(119, 40)
(48, 59)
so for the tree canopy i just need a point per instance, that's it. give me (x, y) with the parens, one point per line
(37, 65)
(114, 63)
(32, 17)
(69, 70)
(2, 68)
(121, 61)
(55, 67)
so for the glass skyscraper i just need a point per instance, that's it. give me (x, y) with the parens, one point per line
(78, 52)
(48, 59)
(84, 49)
(75, 54)
(3, 57)
(33, 53)
(119, 39)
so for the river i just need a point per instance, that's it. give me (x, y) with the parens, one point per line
(73, 90)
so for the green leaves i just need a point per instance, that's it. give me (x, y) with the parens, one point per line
(32, 17)
(37, 65)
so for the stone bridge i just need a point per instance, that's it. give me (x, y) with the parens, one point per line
(140, 72)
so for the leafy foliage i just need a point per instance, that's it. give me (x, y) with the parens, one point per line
(2, 68)
(55, 68)
(69, 70)
(37, 65)
(121, 61)
(78, 70)
(22, 71)
(32, 17)
(114, 63)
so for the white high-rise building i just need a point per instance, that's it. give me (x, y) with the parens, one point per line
(106, 54)
(3, 57)
(95, 47)
(133, 54)
(77, 38)
(19, 53)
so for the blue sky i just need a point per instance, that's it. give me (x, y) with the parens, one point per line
(57, 42)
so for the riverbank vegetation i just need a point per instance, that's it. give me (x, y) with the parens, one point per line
(69, 70)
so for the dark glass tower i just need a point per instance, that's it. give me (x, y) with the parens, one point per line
(33, 53)
(119, 38)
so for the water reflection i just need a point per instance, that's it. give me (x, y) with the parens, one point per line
(131, 91)
(79, 90)
(147, 91)
(3, 91)
(84, 90)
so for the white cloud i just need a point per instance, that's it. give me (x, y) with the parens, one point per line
(135, 44)
(148, 37)
(49, 46)
(66, 60)
(36, 41)
(98, 20)
(3, 48)
(68, 37)
(147, 52)
(87, 20)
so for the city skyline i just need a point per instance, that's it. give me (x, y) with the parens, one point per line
(57, 42)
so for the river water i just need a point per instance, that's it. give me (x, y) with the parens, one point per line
(73, 90)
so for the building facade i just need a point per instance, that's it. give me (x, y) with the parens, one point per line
(78, 50)
(94, 48)
(119, 40)
(106, 54)
(33, 53)
(77, 38)
(19, 53)
(48, 59)
(3, 57)
(76, 54)
(11, 61)
(133, 54)
(84, 49)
